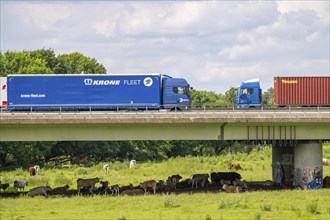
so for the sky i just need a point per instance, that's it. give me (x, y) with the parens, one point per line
(214, 45)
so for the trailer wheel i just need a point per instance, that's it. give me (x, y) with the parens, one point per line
(173, 109)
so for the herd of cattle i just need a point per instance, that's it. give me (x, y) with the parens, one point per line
(221, 181)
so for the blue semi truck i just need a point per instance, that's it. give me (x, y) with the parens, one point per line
(95, 92)
(249, 94)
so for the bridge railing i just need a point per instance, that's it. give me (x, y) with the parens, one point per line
(197, 110)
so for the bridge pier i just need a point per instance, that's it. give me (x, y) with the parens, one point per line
(283, 164)
(308, 165)
(299, 166)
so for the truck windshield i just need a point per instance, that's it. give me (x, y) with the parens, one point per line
(182, 90)
(247, 91)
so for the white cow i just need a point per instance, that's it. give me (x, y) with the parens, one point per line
(132, 164)
(37, 169)
(106, 168)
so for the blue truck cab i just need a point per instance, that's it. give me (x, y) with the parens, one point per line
(249, 94)
(176, 93)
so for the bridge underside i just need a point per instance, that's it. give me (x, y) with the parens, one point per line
(260, 132)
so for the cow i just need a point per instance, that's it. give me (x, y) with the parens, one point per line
(228, 182)
(114, 189)
(133, 192)
(37, 169)
(61, 189)
(4, 186)
(123, 188)
(325, 162)
(83, 162)
(227, 176)
(234, 165)
(184, 184)
(88, 183)
(132, 164)
(105, 185)
(326, 182)
(228, 188)
(39, 191)
(32, 171)
(20, 184)
(149, 184)
(199, 178)
(106, 168)
(173, 180)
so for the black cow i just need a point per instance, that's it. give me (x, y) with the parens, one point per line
(226, 176)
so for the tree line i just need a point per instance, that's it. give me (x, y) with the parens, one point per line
(13, 154)
(45, 61)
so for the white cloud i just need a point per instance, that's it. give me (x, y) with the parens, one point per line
(213, 44)
(41, 15)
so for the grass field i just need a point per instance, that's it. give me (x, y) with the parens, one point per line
(283, 204)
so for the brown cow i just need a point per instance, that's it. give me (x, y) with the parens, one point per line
(82, 162)
(326, 182)
(234, 165)
(32, 171)
(149, 184)
(88, 183)
(228, 188)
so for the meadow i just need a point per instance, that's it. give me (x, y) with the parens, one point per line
(280, 204)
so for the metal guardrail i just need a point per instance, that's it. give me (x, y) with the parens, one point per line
(196, 111)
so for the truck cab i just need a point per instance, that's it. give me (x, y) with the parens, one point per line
(176, 94)
(249, 94)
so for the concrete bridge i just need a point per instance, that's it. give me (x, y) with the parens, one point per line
(259, 126)
(296, 136)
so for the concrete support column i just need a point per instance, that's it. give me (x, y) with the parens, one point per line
(283, 164)
(308, 165)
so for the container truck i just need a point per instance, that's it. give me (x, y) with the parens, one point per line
(94, 92)
(305, 91)
(294, 91)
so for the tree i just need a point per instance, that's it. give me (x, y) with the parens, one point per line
(23, 63)
(230, 96)
(76, 63)
(268, 97)
(2, 64)
(48, 55)
(206, 97)
(44, 61)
